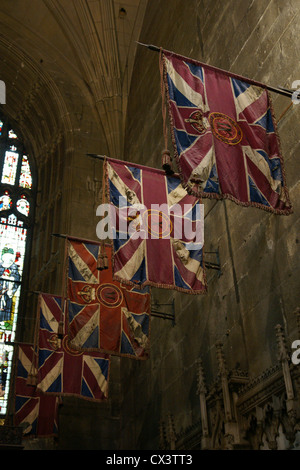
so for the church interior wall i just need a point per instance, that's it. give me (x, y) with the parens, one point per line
(59, 106)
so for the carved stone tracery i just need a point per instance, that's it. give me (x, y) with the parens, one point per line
(242, 412)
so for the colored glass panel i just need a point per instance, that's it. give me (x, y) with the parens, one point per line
(1, 125)
(10, 167)
(25, 176)
(5, 201)
(12, 251)
(12, 135)
(23, 205)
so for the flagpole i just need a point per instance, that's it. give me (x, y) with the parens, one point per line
(138, 165)
(279, 90)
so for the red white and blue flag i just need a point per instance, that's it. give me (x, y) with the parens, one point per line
(158, 229)
(35, 412)
(62, 370)
(103, 314)
(224, 135)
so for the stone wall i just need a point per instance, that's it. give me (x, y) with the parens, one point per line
(259, 252)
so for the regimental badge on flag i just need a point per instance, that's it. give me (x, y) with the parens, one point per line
(103, 314)
(224, 135)
(35, 412)
(62, 370)
(157, 229)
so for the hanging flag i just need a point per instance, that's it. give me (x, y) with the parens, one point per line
(157, 229)
(103, 314)
(224, 135)
(35, 412)
(63, 370)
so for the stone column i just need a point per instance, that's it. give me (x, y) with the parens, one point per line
(201, 390)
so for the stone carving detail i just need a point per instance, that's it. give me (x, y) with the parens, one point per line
(242, 412)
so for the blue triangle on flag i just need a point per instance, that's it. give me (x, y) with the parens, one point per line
(266, 121)
(176, 95)
(183, 140)
(143, 320)
(126, 347)
(85, 390)
(255, 194)
(93, 340)
(179, 282)
(140, 274)
(56, 385)
(43, 356)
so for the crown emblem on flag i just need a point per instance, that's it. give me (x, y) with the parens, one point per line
(197, 121)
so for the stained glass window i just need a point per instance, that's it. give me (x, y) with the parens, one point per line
(10, 167)
(15, 217)
(25, 176)
(23, 205)
(5, 201)
(12, 135)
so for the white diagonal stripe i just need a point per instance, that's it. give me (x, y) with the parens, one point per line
(129, 269)
(84, 333)
(97, 372)
(48, 380)
(82, 266)
(121, 186)
(25, 361)
(249, 96)
(203, 170)
(51, 320)
(182, 86)
(31, 417)
(263, 166)
(136, 329)
(176, 195)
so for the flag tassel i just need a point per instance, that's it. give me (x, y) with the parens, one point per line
(60, 331)
(102, 260)
(32, 380)
(167, 162)
(166, 156)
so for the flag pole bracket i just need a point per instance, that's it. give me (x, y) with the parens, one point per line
(155, 312)
(214, 265)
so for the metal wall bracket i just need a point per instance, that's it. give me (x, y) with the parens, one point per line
(214, 265)
(155, 312)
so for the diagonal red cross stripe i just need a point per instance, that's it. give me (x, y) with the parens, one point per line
(62, 361)
(46, 406)
(109, 298)
(233, 142)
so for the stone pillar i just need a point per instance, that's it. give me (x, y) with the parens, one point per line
(284, 359)
(201, 390)
(232, 435)
(171, 432)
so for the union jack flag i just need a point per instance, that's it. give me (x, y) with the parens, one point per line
(103, 314)
(62, 370)
(35, 412)
(156, 230)
(224, 135)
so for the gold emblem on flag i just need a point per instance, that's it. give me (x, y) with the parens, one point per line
(158, 223)
(68, 348)
(109, 295)
(197, 121)
(87, 293)
(225, 128)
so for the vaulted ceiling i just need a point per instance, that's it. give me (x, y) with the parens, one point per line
(67, 67)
